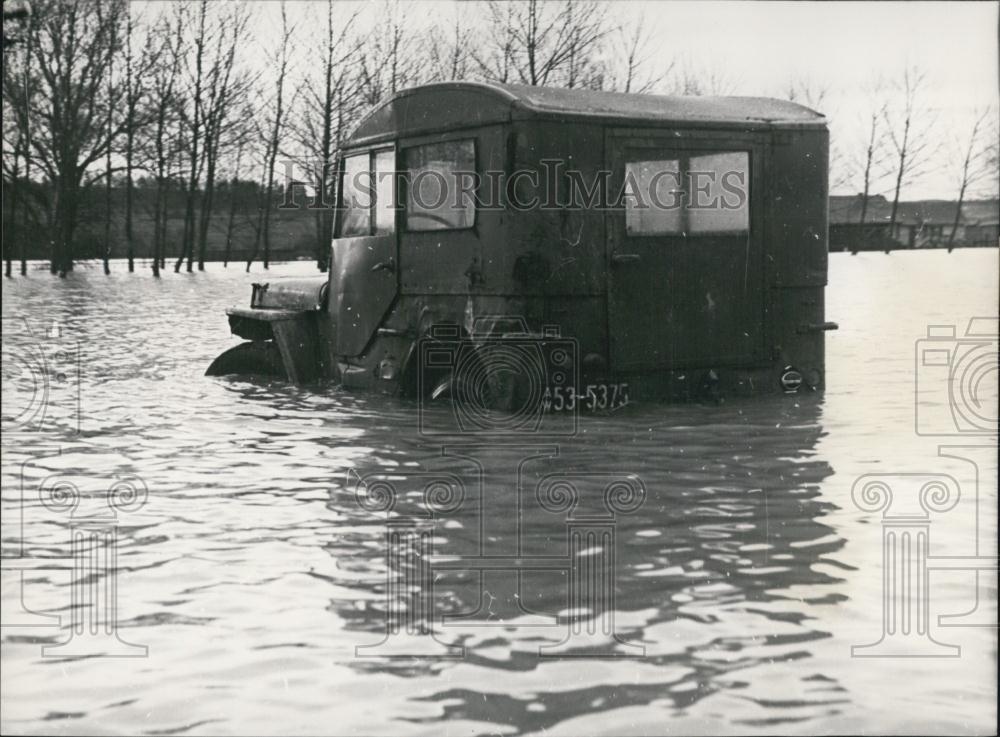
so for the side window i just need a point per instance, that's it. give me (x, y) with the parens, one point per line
(691, 195)
(440, 186)
(356, 197)
(368, 197)
(385, 201)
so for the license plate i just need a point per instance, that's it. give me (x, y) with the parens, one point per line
(589, 398)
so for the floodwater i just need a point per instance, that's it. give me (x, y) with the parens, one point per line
(250, 570)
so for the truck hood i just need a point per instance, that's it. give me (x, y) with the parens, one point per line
(299, 294)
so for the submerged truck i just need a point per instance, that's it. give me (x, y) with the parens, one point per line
(562, 246)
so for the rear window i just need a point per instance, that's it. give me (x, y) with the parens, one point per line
(440, 186)
(698, 194)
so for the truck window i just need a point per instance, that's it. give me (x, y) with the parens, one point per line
(693, 195)
(368, 186)
(357, 195)
(440, 193)
(385, 201)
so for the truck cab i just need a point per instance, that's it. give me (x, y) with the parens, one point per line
(665, 247)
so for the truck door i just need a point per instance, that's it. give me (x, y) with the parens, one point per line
(364, 271)
(685, 252)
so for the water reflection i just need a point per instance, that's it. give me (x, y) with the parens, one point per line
(726, 539)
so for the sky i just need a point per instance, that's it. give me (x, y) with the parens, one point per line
(843, 48)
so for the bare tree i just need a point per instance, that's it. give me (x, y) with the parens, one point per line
(164, 81)
(388, 59)
(870, 162)
(494, 53)
(542, 43)
(137, 114)
(909, 128)
(587, 30)
(234, 184)
(806, 92)
(225, 84)
(194, 118)
(689, 79)
(325, 110)
(112, 104)
(975, 157)
(449, 50)
(72, 47)
(17, 132)
(630, 50)
(272, 140)
(14, 153)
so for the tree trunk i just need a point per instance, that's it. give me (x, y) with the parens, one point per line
(187, 248)
(895, 199)
(958, 217)
(233, 192)
(206, 212)
(230, 226)
(864, 213)
(256, 237)
(65, 227)
(129, 235)
(187, 244)
(269, 189)
(157, 214)
(106, 251)
(20, 243)
(267, 227)
(10, 223)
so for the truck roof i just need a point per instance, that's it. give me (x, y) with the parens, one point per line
(454, 105)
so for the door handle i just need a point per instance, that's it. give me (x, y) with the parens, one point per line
(818, 327)
(624, 258)
(389, 266)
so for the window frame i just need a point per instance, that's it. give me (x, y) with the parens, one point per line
(403, 196)
(371, 153)
(684, 156)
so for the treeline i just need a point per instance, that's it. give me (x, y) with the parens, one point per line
(100, 231)
(125, 125)
(187, 95)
